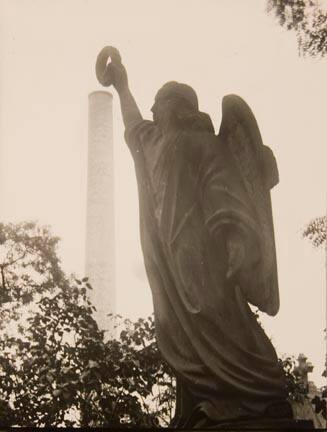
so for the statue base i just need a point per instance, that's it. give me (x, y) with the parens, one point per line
(262, 425)
(278, 416)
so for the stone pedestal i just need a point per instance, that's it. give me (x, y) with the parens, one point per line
(273, 425)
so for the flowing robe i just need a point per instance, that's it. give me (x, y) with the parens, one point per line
(191, 198)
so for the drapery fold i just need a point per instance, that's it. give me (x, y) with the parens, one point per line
(205, 328)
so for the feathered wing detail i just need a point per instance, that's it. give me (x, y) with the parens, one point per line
(258, 169)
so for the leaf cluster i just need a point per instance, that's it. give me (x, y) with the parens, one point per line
(307, 19)
(316, 231)
(62, 372)
(296, 390)
(57, 368)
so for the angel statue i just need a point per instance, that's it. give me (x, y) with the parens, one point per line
(208, 245)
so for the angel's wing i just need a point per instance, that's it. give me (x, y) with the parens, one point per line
(258, 170)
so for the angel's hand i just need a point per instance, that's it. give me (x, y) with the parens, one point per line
(118, 75)
(235, 254)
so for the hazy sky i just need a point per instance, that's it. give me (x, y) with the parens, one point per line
(48, 50)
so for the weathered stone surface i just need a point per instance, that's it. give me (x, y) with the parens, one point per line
(264, 425)
(208, 244)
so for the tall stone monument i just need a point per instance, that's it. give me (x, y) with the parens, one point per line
(100, 230)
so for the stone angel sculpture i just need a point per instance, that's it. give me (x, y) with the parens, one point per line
(208, 244)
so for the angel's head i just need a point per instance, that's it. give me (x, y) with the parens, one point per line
(176, 106)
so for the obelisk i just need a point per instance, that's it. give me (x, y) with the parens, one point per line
(100, 227)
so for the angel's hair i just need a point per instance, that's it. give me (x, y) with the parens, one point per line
(185, 107)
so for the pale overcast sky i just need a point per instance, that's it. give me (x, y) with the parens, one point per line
(47, 53)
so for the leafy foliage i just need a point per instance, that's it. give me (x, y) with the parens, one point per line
(57, 368)
(29, 266)
(61, 372)
(296, 389)
(316, 231)
(309, 21)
